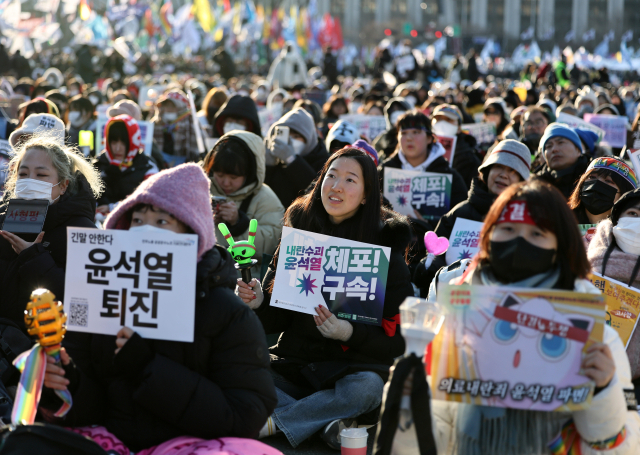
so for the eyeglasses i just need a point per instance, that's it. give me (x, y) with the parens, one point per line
(539, 122)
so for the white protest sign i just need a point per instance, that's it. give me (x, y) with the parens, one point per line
(614, 126)
(145, 281)
(577, 122)
(634, 156)
(485, 133)
(427, 192)
(146, 134)
(464, 240)
(369, 126)
(349, 278)
(268, 117)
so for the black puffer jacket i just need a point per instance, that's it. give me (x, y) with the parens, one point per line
(155, 390)
(306, 358)
(291, 181)
(466, 159)
(420, 227)
(43, 265)
(241, 107)
(566, 179)
(475, 208)
(120, 184)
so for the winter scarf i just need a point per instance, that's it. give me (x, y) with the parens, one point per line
(135, 140)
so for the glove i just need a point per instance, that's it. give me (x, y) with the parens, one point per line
(269, 158)
(284, 152)
(336, 329)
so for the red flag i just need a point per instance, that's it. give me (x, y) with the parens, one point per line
(337, 34)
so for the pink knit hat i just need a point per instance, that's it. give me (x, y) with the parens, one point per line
(182, 191)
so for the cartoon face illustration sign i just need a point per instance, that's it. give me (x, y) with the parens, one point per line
(512, 348)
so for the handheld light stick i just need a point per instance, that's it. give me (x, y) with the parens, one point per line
(243, 251)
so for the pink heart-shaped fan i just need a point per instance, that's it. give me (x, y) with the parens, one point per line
(434, 244)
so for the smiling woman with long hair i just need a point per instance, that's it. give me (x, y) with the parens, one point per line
(329, 371)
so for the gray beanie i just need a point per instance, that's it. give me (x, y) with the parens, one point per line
(513, 154)
(302, 123)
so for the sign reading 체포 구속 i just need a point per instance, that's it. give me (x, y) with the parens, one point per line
(142, 280)
(349, 278)
(427, 192)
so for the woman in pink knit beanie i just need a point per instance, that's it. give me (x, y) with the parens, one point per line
(148, 394)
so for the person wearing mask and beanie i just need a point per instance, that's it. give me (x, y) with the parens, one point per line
(43, 168)
(614, 252)
(603, 183)
(564, 161)
(122, 165)
(586, 102)
(387, 141)
(235, 166)
(507, 164)
(446, 120)
(530, 240)
(292, 166)
(174, 128)
(81, 118)
(238, 113)
(140, 393)
(418, 150)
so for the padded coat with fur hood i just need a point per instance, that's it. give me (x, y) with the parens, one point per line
(264, 206)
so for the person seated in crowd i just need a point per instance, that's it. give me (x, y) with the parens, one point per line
(43, 168)
(38, 123)
(387, 141)
(564, 161)
(219, 384)
(374, 108)
(603, 183)
(276, 98)
(81, 118)
(215, 99)
(418, 150)
(341, 134)
(238, 113)
(330, 371)
(236, 168)
(507, 164)
(495, 112)
(61, 101)
(614, 252)
(312, 108)
(36, 106)
(541, 250)
(335, 106)
(465, 158)
(174, 130)
(123, 165)
(534, 122)
(292, 166)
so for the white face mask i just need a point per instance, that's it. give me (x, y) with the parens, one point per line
(72, 93)
(150, 228)
(444, 128)
(169, 117)
(393, 118)
(298, 146)
(94, 100)
(627, 234)
(75, 118)
(230, 126)
(34, 189)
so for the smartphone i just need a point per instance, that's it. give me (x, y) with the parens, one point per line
(282, 133)
(216, 201)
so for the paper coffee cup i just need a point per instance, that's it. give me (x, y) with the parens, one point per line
(354, 441)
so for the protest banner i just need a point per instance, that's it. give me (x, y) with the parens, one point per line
(634, 156)
(142, 280)
(515, 348)
(5, 157)
(268, 117)
(427, 192)
(464, 241)
(623, 305)
(146, 134)
(369, 126)
(614, 127)
(577, 122)
(485, 133)
(349, 278)
(449, 144)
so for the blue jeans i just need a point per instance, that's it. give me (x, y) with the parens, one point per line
(353, 395)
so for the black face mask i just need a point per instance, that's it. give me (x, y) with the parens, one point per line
(597, 197)
(517, 259)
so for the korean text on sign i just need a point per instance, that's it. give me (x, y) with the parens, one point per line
(428, 193)
(142, 281)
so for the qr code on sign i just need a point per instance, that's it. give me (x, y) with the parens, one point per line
(79, 314)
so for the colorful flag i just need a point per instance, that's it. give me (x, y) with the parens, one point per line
(202, 11)
(166, 16)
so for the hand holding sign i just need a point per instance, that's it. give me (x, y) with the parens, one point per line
(18, 244)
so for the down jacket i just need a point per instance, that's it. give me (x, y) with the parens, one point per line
(154, 390)
(261, 203)
(603, 420)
